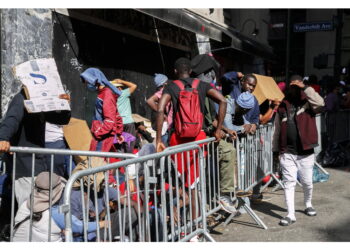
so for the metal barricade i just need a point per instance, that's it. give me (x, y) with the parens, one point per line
(254, 162)
(47, 155)
(167, 206)
(337, 126)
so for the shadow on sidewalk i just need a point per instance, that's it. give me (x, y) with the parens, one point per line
(268, 209)
(340, 232)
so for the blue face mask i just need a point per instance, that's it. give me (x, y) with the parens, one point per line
(91, 87)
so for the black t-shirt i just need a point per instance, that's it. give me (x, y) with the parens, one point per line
(173, 90)
(294, 145)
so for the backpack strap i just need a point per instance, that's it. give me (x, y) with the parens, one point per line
(179, 84)
(195, 83)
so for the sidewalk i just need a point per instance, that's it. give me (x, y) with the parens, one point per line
(332, 223)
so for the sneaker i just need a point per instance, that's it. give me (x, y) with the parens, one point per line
(259, 198)
(241, 193)
(286, 221)
(194, 239)
(227, 204)
(310, 211)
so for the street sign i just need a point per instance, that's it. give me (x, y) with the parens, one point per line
(315, 26)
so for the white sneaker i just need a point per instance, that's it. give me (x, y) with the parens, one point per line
(194, 239)
(227, 204)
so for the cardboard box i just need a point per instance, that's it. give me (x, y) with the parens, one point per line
(42, 85)
(267, 88)
(78, 136)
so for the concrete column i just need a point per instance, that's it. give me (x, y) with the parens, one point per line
(26, 34)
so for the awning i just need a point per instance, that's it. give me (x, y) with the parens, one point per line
(185, 20)
(199, 25)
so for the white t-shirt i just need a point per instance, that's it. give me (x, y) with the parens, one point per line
(53, 132)
(40, 229)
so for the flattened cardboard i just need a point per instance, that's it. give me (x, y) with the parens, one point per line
(267, 88)
(78, 136)
(42, 85)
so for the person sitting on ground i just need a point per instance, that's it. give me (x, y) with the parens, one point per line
(41, 214)
(160, 81)
(98, 211)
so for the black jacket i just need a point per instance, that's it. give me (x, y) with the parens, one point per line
(25, 129)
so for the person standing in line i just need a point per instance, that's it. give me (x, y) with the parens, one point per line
(23, 129)
(188, 121)
(235, 83)
(127, 89)
(107, 124)
(160, 81)
(295, 138)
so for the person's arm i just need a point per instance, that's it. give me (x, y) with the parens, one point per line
(217, 97)
(132, 86)
(233, 76)
(276, 133)
(11, 122)
(230, 132)
(153, 102)
(77, 225)
(163, 102)
(265, 118)
(315, 100)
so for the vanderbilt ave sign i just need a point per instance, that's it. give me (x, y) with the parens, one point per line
(317, 26)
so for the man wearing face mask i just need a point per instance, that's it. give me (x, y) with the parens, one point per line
(295, 138)
(235, 83)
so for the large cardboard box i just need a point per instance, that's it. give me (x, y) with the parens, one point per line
(267, 88)
(78, 136)
(42, 85)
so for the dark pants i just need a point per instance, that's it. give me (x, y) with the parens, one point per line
(61, 163)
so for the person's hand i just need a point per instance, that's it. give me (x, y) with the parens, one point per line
(64, 96)
(247, 128)
(120, 139)
(160, 147)
(239, 74)
(232, 133)
(132, 186)
(141, 127)
(4, 146)
(275, 103)
(217, 135)
(252, 129)
(102, 224)
(118, 81)
(300, 84)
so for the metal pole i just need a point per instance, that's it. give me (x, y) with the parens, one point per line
(338, 44)
(288, 46)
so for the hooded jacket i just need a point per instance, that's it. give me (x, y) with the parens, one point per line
(311, 104)
(107, 121)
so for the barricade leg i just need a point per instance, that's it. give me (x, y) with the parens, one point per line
(251, 214)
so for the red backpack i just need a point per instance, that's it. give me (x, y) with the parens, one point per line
(188, 118)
